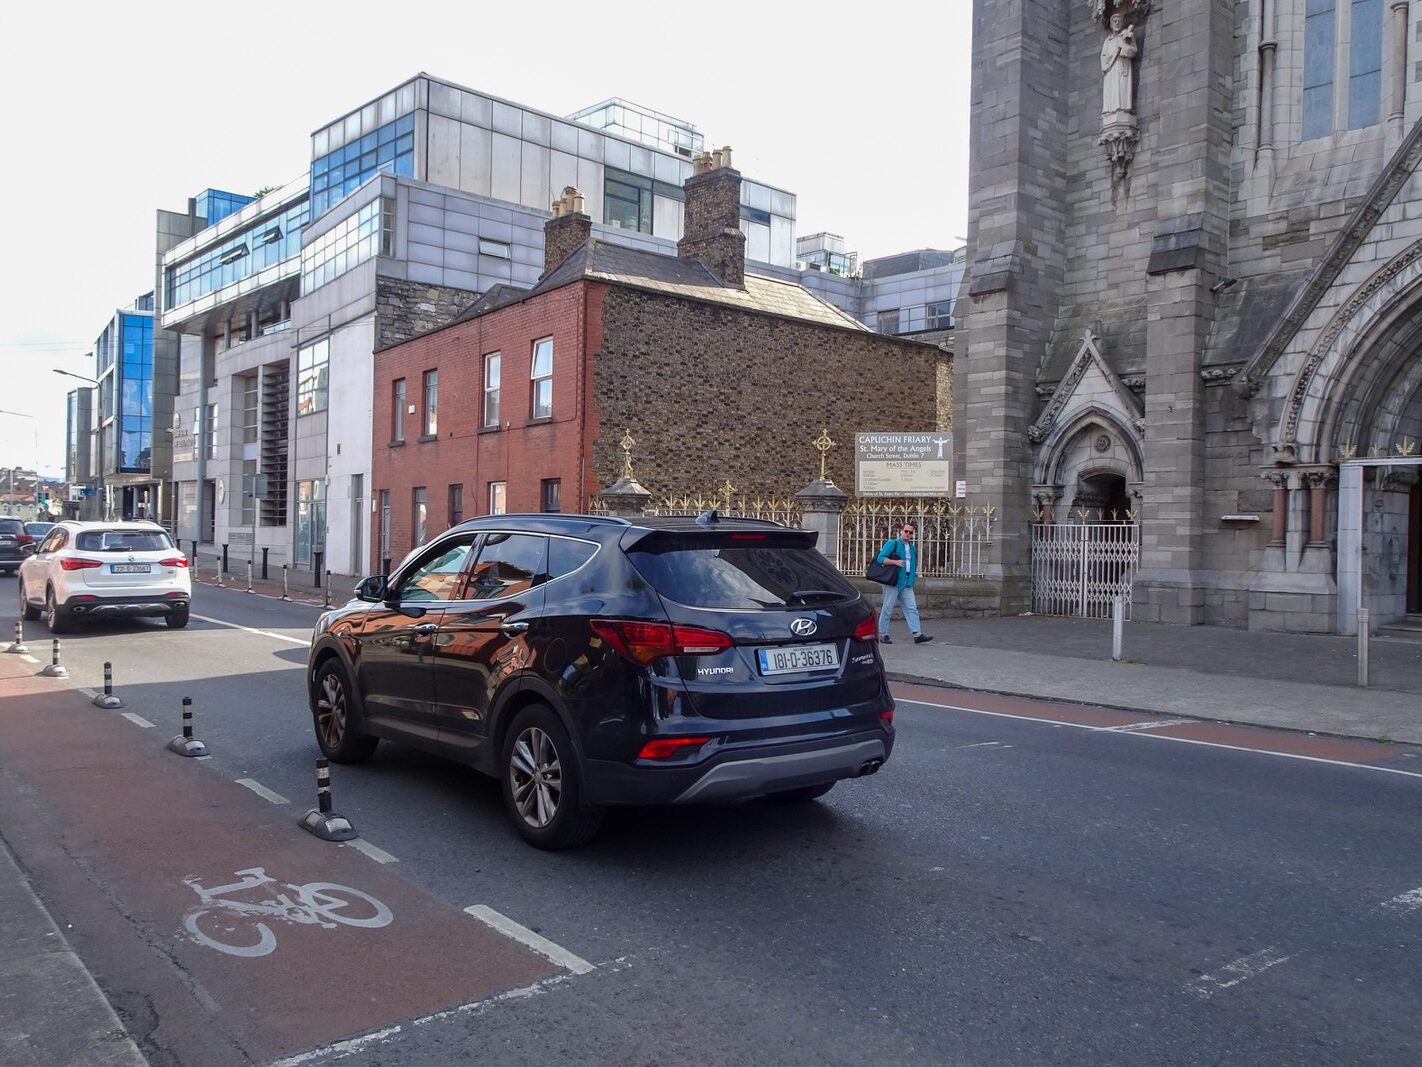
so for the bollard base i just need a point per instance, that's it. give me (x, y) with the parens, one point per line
(18, 647)
(328, 826)
(108, 701)
(55, 670)
(187, 746)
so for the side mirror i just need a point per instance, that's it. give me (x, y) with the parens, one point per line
(29, 549)
(372, 589)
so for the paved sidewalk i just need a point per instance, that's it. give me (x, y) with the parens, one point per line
(1295, 682)
(52, 1012)
(300, 584)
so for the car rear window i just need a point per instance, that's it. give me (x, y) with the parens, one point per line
(12, 526)
(739, 571)
(123, 541)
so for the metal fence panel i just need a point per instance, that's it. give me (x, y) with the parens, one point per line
(953, 540)
(1080, 568)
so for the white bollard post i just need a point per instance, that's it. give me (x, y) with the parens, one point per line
(1118, 624)
(285, 592)
(328, 587)
(249, 577)
(55, 668)
(1364, 626)
(19, 645)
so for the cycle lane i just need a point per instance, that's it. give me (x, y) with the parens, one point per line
(114, 828)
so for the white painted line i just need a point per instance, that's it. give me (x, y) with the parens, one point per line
(982, 744)
(1206, 985)
(342, 1049)
(556, 954)
(138, 720)
(1167, 737)
(1136, 727)
(379, 855)
(1405, 903)
(262, 791)
(28, 658)
(253, 630)
(90, 693)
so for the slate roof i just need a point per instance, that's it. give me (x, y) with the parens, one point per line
(597, 260)
(497, 296)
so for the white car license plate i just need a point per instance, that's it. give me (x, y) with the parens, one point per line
(131, 568)
(793, 659)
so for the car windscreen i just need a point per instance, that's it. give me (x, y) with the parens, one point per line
(742, 571)
(123, 541)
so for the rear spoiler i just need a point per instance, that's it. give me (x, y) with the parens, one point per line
(730, 532)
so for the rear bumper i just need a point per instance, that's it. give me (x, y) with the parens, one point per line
(111, 606)
(742, 772)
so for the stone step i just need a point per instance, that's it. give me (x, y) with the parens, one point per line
(1408, 627)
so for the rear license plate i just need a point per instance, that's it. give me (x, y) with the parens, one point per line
(793, 659)
(130, 568)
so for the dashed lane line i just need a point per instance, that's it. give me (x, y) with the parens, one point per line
(262, 791)
(90, 693)
(555, 954)
(253, 630)
(379, 855)
(1164, 737)
(1137, 727)
(28, 658)
(1207, 985)
(138, 720)
(1405, 903)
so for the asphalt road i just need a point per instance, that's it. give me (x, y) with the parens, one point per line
(1004, 891)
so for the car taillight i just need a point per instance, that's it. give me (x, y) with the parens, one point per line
(24, 539)
(175, 561)
(667, 747)
(643, 642)
(886, 719)
(78, 563)
(868, 630)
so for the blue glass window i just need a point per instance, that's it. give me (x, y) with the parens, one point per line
(134, 415)
(1365, 65)
(214, 205)
(1320, 32)
(207, 272)
(390, 149)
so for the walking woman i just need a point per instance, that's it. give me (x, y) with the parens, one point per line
(902, 553)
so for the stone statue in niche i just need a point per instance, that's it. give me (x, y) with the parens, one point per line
(1119, 52)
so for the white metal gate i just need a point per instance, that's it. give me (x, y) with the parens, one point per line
(1080, 568)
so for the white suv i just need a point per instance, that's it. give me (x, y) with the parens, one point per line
(84, 569)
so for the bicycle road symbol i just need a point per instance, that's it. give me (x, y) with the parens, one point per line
(230, 925)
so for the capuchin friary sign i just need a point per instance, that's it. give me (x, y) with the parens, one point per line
(903, 464)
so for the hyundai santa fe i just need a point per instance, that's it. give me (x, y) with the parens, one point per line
(588, 661)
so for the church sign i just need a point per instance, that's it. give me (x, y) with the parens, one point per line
(903, 464)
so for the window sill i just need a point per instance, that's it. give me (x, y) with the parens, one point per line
(395, 444)
(490, 429)
(540, 421)
(427, 437)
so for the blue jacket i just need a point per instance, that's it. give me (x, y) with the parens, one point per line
(907, 575)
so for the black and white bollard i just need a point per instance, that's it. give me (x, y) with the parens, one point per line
(55, 668)
(328, 588)
(19, 645)
(185, 744)
(285, 592)
(249, 577)
(106, 699)
(321, 820)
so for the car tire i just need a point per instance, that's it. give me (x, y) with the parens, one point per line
(539, 768)
(332, 699)
(801, 795)
(54, 618)
(177, 618)
(28, 611)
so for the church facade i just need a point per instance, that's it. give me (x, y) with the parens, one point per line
(1194, 289)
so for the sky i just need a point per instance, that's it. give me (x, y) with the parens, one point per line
(112, 111)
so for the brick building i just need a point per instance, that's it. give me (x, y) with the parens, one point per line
(518, 403)
(1194, 284)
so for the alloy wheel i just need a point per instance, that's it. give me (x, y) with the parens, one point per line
(537, 777)
(331, 710)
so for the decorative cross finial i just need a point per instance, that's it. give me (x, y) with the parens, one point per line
(726, 491)
(822, 445)
(1406, 447)
(626, 445)
(1348, 451)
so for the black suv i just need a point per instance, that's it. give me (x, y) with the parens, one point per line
(13, 539)
(590, 661)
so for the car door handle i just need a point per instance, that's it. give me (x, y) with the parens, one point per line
(508, 629)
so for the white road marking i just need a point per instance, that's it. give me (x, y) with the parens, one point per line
(1165, 737)
(1405, 903)
(262, 791)
(90, 693)
(1206, 985)
(379, 855)
(1136, 727)
(981, 744)
(555, 954)
(253, 630)
(138, 720)
(28, 658)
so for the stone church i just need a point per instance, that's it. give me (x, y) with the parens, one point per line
(1194, 289)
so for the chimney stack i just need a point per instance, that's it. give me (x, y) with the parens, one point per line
(566, 230)
(711, 227)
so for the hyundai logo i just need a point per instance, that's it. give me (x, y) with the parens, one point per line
(803, 627)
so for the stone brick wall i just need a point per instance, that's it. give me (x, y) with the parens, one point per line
(712, 224)
(711, 393)
(562, 235)
(406, 309)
